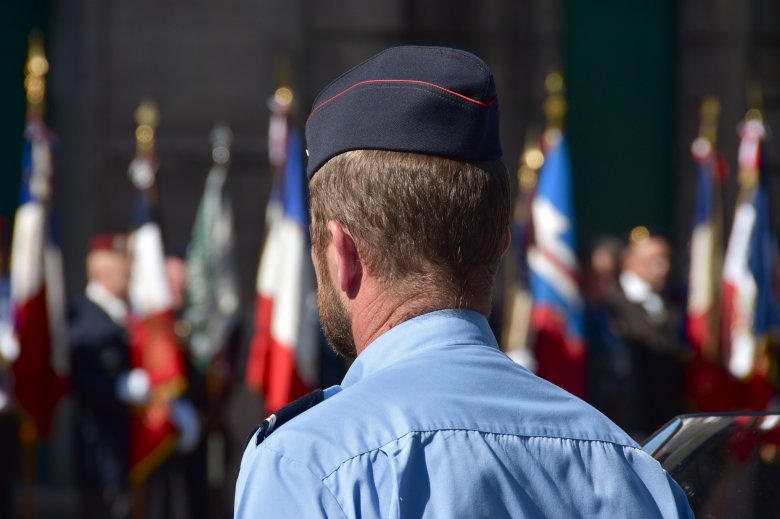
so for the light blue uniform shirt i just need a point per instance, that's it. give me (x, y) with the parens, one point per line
(432, 420)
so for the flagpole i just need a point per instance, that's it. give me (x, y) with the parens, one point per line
(555, 108)
(708, 134)
(516, 332)
(143, 178)
(35, 91)
(749, 180)
(221, 139)
(557, 314)
(256, 371)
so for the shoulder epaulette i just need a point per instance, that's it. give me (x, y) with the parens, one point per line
(284, 415)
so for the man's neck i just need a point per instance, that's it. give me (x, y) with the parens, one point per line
(377, 310)
(112, 305)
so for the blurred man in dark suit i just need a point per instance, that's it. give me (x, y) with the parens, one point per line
(649, 325)
(103, 383)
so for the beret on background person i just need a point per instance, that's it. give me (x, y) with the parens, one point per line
(410, 212)
(113, 242)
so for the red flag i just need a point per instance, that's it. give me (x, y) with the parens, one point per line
(153, 343)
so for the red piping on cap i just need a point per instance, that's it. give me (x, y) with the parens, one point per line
(413, 81)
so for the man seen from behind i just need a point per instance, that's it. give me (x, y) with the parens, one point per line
(409, 220)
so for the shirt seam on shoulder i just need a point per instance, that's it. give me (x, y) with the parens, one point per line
(528, 436)
(288, 459)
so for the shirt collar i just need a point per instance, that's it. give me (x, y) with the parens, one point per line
(639, 291)
(108, 302)
(434, 330)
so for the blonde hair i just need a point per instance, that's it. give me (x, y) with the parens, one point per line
(420, 222)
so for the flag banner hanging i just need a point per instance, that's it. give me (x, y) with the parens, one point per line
(557, 313)
(38, 386)
(750, 303)
(153, 344)
(212, 288)
(701, 290)
(284, 354)
(708, 382)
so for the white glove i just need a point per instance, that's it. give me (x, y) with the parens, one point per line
(5, 400)
(9, 345)
(133, 387)
(185, 419)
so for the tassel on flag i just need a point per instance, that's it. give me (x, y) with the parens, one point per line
(283, 358)
(750, 304)
(212, 287)
(153, 343)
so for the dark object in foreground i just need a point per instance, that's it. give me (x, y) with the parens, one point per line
(727, 464)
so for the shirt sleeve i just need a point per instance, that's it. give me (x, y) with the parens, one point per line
(272, 485)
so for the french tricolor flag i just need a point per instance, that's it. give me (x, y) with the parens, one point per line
(750, 304)
(557, 312)
(36, 277)
(710, 386)
(153, 344)
(283, 358)
(705, 250)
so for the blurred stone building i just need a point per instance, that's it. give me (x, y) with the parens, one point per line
(635, 77)
(636, 73)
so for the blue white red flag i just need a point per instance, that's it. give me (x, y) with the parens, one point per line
(153, 344)
(42, 362)
(284, 354)
(709, 385)
(705, 250)
(750, 303)
(557, 314)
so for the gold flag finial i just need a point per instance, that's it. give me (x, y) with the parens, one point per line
(531, 161)
(752, 131)
(283, 97)
(639, 234)
(144, 167)
(221, 138)
(704, 144)
(555, 105)
(147, 118)
(555, 108)
(710, 112)
(754, 96)
(35, 76)
(754, 114)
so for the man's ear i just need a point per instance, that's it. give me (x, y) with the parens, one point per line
(507, 240)
(349, 267)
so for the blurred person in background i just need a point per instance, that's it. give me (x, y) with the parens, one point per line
(608, 360)
(103, 383)
(644, 318)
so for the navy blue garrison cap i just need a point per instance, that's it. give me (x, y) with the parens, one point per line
(430, 100)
